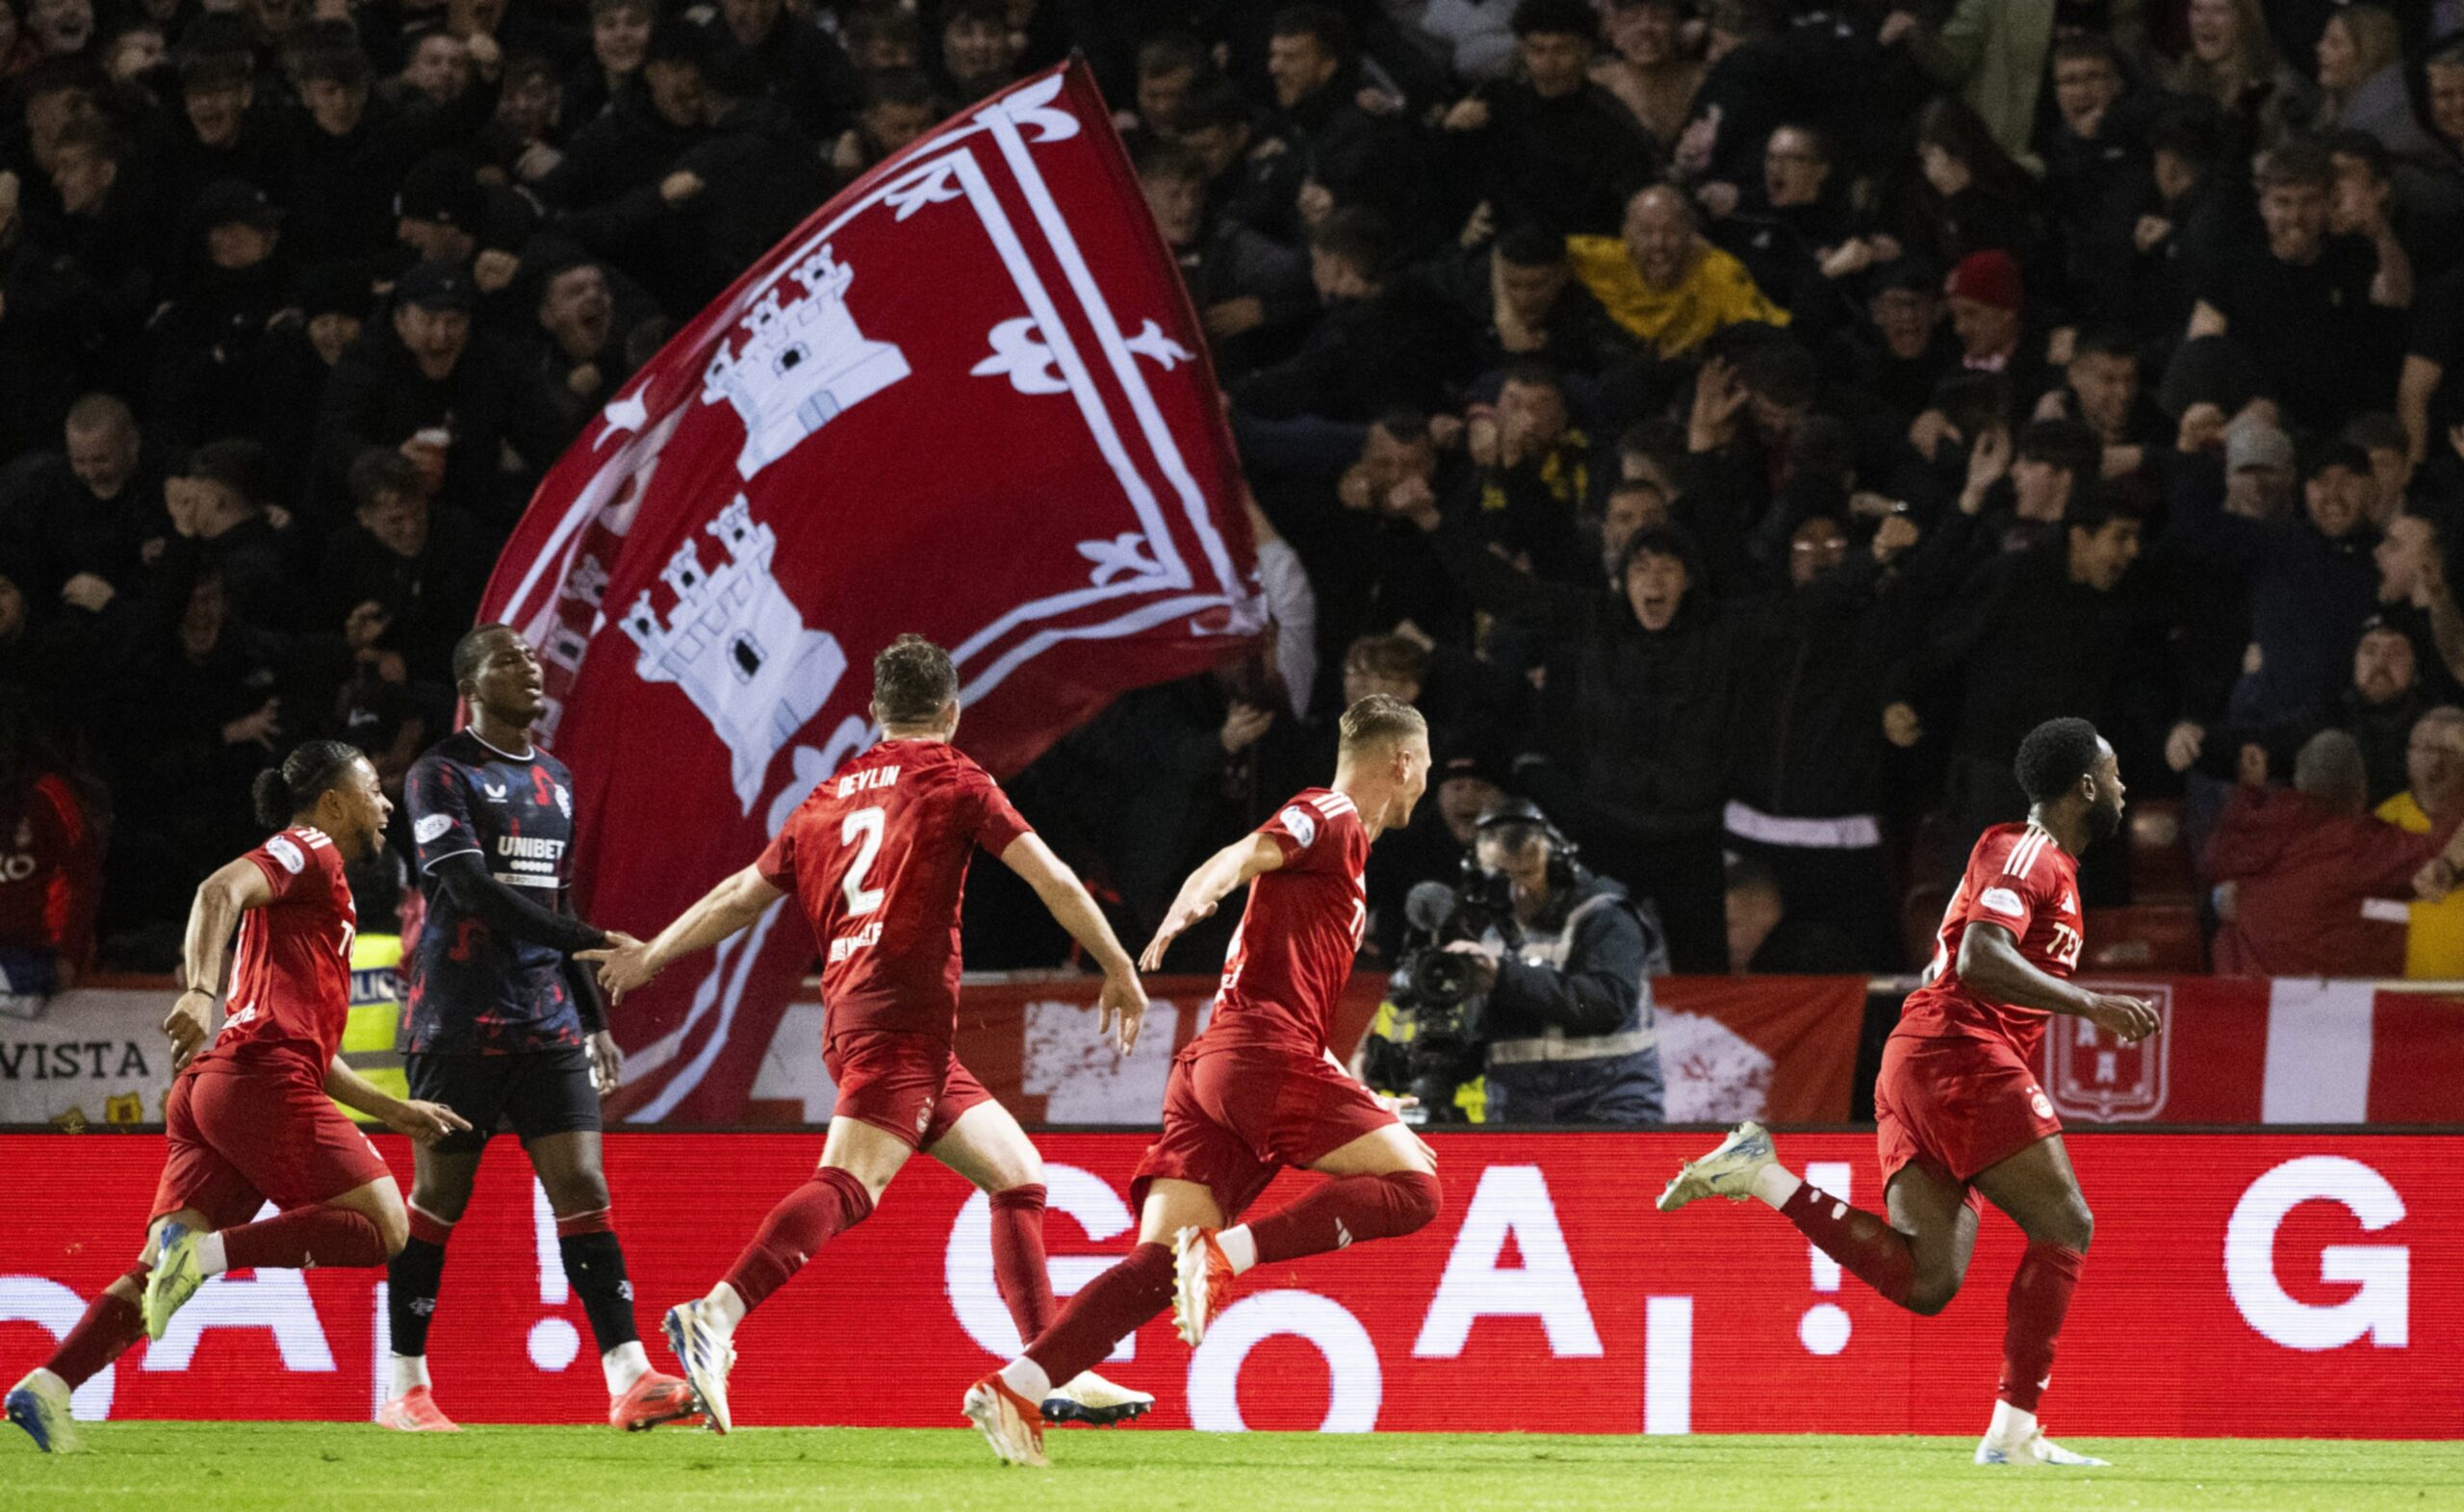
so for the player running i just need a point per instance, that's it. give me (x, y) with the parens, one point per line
(504, 1026)
(1260, 1089)
(877, 857)
(250, 1119)
(1958, 1113)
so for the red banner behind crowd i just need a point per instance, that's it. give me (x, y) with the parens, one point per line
(2241, 1285)
(966, 398)
(2252, 1050)
(1777, 1048)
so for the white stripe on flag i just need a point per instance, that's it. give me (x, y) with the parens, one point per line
(2317, 1052)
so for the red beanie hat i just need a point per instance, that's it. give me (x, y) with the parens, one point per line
(1988, 277)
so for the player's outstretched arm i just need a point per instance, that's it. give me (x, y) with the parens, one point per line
(505, 911)
(1991, 964)
(426, 1122)
(213, 915)
(1226, 870)
(730, 905)
(1121, 1006)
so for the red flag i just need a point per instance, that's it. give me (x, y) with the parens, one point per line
(967, 399)
(1777, 1048)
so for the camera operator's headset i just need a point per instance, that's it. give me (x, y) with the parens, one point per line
(1565, 874)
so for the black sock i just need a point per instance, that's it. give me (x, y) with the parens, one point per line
(595, 1265)
(411, 1281)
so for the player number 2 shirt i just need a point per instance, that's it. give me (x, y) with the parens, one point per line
(877, 858)
(1299, 931)
(290, 976)
(2019, 878)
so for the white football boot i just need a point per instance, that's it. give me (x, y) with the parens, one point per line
(1726, 1171)
(1095, 1401)
(1010, 1422)
(39, 1405)
(2034, 1449)
(707, 1354)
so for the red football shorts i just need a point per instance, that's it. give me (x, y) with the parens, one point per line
(1956, 1107)
(245, 1136)
(911, 1086)
(1234, 1116)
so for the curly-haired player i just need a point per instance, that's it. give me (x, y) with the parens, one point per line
(1959, 1116)
(251, 1118)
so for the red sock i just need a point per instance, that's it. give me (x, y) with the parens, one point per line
(1870, 1250)
(103, 1335)
(795, 1231)
(2039, 1295)
(1106, 1310)
(1344, 1210)
(1017, 1259)
(304, 1237)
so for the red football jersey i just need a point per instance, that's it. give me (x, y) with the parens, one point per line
(2019, 878)
(1299, 931)
(877, 857)
(291, 979)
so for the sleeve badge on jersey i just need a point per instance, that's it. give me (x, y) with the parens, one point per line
(2005, 902)
(430, 826)
(565, 799)
(1297, 819)
(286, 854)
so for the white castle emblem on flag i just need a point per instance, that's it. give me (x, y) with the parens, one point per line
(803, 362)
(737, 647)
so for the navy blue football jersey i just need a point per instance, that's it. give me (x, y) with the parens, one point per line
(472, 992)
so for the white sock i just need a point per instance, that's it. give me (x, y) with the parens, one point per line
(1240, 1246)
(1774, 1184)
(409, 1371)
(1027, 1379)
(2011, 1424)
(624, 1365)
(209, 1255)
(725, 1308)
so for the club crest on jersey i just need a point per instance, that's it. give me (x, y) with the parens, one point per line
(287, 854)
(2003, 901)
(1297, 819)
(429, 827)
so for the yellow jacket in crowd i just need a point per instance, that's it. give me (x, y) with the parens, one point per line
(2434, 934)
(1716, 292)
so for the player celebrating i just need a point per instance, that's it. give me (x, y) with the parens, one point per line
(1957, 1108)
(251, 1118)
(1259, 1089)
(505, 1026)
(877, 857)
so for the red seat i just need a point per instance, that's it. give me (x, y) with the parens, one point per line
(2160, 853)
(1921, 920)
(2146, 936)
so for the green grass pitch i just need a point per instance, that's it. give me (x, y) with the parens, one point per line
(244, 1467)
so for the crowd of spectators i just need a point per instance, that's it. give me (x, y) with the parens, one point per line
(1733, 422)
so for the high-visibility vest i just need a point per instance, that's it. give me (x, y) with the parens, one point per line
(377, 991)
(1472, 1096)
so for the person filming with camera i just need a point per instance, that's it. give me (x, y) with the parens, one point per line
(1563, 959)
